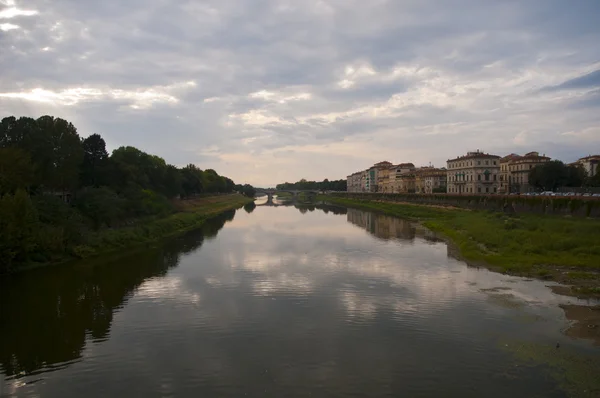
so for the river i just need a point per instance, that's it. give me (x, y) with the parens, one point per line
(290, 301)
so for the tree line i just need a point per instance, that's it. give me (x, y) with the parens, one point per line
(325, 185)
(56, 186)
(554, 174)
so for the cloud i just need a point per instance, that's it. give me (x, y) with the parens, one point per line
(414, 81)
(12, 12)
(5, 27)
(138, 99)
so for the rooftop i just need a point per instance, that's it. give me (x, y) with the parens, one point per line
(474, 155)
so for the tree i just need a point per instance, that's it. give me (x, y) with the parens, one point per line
(594, 181)
(102, 206)
(576, 176)
(95, 161)
(16, 170)
(18, 229)
(67, 153)
(549, 175)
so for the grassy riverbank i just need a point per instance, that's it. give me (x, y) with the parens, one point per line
(190, 214)
(566, 250)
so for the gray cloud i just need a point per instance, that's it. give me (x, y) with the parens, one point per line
(265, 91)
(589, 80)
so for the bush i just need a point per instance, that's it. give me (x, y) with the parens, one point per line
(102, 206)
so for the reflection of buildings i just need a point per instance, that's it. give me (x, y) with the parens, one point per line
(382, 226)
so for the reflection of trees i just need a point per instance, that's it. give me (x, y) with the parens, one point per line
(249, 207)
(46, 316)
(324, 207)
(382, 226)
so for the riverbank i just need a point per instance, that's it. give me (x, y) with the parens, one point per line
(561, 249)
(190, 214)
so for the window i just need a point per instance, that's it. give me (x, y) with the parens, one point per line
(479, 189)
(494, 177)
(487, 162)
(494, 162)
(487, 176)
(479, 163)
(478, 177)
(487, 190)
(495, 189)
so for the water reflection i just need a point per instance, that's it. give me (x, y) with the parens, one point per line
(382, 226)
(47, 316)
(296, 301)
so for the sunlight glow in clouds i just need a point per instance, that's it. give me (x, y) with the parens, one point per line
(140, 99)
(5, 27)
(12, 12)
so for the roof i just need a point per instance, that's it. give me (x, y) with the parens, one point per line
(510, 158)
(590, 157)
(475, 155)
(385, 163)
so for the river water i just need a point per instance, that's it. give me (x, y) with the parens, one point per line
(289, 301)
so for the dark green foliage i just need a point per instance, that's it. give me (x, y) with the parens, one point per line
(555, 174)
(94, 170)
(76, 189)
(102, 206)
(246, 189)
(16, 170)
(325, 185)
(18, 228)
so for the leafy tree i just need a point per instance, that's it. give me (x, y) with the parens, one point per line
(325, 185)
(18, 229)
(95, 161)
(594, 181)
(549, 176)
(16, 170)
(102, 206)
(67, 153)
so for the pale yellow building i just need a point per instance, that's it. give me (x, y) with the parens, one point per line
(396, 173)
(475, 173)
(590, 164)
(373, 175)
(430, 180)
(519, 168)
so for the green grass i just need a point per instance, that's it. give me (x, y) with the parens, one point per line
(526, 244)
(191, 215)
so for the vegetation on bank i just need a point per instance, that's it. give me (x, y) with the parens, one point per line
(549, 247)
(325, 185)
(62, 195)
(191, 214)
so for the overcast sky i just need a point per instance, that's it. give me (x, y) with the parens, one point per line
(266, 91)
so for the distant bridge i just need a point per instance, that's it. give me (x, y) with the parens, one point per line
(295, 193)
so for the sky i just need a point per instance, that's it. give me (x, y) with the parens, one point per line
(267, 91)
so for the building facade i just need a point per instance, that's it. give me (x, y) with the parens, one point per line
(519, 168)
(505, 162)
(475, 173)
(590, 164)
(397, 181)
(372, 175)
(430, 180)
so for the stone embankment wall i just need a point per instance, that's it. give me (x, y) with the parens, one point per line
(573, 206)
